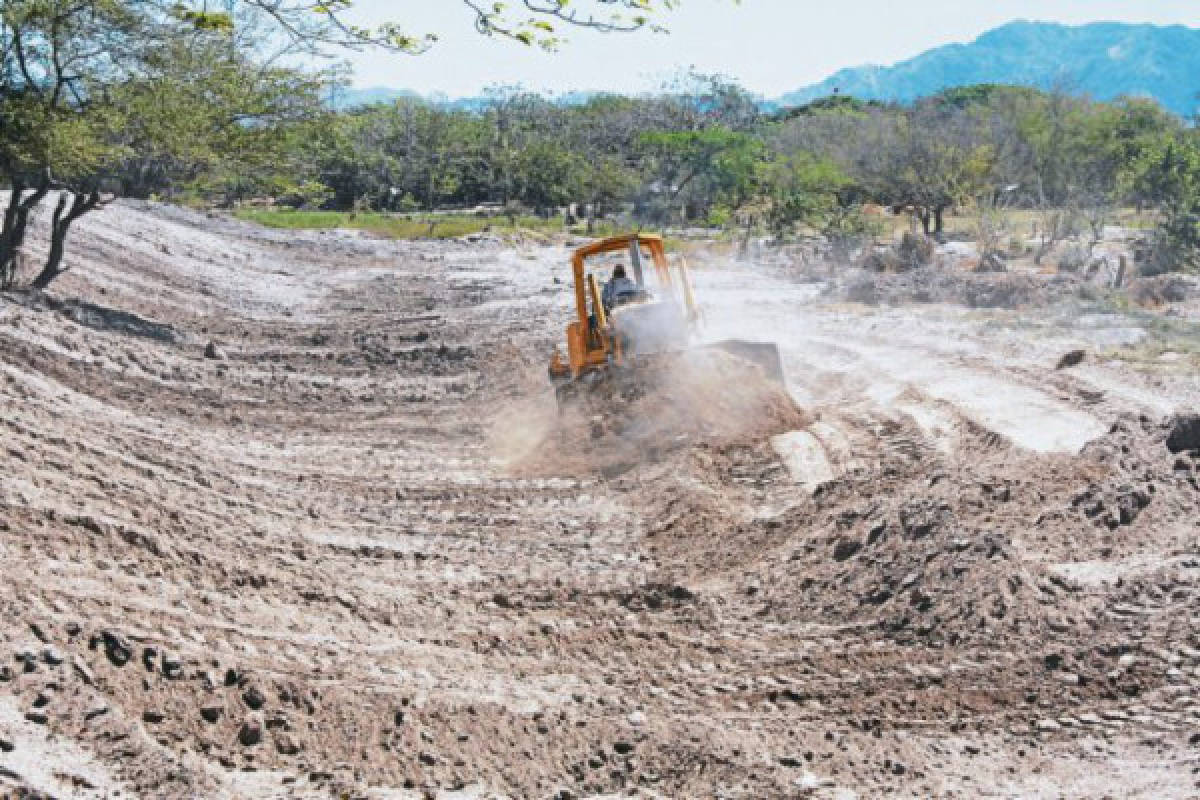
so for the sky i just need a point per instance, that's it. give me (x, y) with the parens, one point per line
(768, 46)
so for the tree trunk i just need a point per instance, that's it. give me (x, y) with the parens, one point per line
(1044, 248)
(16, 221)
(1119, 279)
(747, 231)
(939, 222)
(923, 215)
(8, 249)
(71, 206)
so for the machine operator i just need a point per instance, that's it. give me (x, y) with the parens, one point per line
(617, 288)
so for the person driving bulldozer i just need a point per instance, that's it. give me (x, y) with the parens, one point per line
(618, 288)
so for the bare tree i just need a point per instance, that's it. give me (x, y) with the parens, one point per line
(992, 229)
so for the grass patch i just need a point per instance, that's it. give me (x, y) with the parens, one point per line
(411, 226)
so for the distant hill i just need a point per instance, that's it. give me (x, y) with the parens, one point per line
(1104, 60)
(345, 98)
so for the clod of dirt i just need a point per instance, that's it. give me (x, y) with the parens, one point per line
(212, 351)
(253, 698)
(117, 649)
(251, 732)
(1072, 358)
(172, 667)
(286, 745)
(1184, 433)
(845, 548)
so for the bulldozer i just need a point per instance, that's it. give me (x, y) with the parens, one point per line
(625, 335)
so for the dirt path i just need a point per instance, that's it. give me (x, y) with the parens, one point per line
(305, 568)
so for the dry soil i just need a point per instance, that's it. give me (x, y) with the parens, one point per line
(293, 515)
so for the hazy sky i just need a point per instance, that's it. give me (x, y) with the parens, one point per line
(769, 46)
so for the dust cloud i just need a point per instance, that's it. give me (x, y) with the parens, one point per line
(638, 413)
(520, 428)
(641, 413)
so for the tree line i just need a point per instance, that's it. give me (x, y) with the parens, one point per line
(156, 98)
(705, 154)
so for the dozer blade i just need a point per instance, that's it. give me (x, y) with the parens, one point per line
(765, 354)
(620, 386)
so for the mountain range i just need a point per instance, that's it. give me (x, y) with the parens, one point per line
(1103, 60)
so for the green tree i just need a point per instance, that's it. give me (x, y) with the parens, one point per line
(686, 166)
(109, 95)
(204, 119)
(1168, 174)
(806, 190)
(604, 181)
(548, 175)
(736, 176)
(60, 61)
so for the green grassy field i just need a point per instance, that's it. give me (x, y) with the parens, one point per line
(410, 226)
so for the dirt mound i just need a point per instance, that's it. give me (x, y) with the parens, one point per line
(921, 569)
(1152, 466)
(636, 415)
(974, 290)
(934, 554)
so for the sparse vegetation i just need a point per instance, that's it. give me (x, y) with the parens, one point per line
(410, 226)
